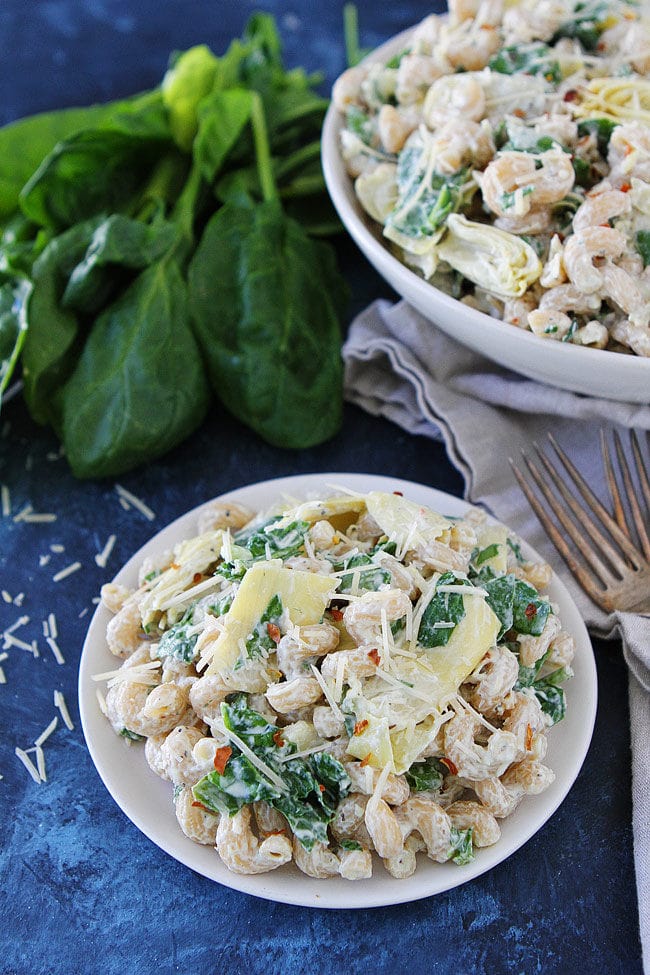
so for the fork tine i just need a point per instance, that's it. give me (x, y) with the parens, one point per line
(597, 508)
(583, 518)
(640, 468)
(635, 510)
(612, 484)
(584, 578)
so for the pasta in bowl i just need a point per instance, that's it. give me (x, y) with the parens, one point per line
(492, 165)
(316, 707)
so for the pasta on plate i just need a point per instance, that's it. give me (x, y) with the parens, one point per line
(505, 151)
(338, 678)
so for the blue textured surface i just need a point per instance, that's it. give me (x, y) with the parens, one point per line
(81, 890)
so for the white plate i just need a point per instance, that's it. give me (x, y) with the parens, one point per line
(146, 799)
(610, 375)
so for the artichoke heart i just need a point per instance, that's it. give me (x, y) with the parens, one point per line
(492, 258)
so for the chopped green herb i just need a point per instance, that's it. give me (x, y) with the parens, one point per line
(426, 776)
(350, 845)
(527, 59)
(131, 735)
(444, 607)
(461, 848)
(602, 128)
(485, 553)
(643, 246)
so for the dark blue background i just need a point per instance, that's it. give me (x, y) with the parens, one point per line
(81, 890)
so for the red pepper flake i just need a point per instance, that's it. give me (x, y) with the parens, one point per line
(601, 46)
(447, 762)
(360, 726)
(321, 787)
(529, 737)
(626, 187)
(196, 578)
(275, 832)
(336, 615)
(628, 150)
(374, 656)
(515, 320)
(365, 761)
(278, 739)
(570, 95)
(221, 757)
(273, 631)
(400, 494)
(531, 611)
(519, 112)
(199, 805)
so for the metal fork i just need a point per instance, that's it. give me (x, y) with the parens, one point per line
(615, 566)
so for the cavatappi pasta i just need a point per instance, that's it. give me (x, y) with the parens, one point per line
(506, 154)
(338, 678)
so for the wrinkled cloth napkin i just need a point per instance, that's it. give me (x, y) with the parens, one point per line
(400, 367)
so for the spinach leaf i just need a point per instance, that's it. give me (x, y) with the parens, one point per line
(426, 776)
(602, 128)
(586, 25)
(221, 605)
(369, 579)
(357, 121)
(444, 607)
(131, 735)
(118, 242)
(350, 845)
(515, 547)
(500, 597)
(278, 543)
(260, 643)
(139, 387)
(425, 199)
(527, 59)
(552, 699)
(190, 77)
(530, 611)
(222, 118)
(175, 642)
(100, 170)
(25, 143)
(13, 327)
(482, 555)
(50, 350)
(461, 848)
(240, 784)
(265, 301)
(643, 245)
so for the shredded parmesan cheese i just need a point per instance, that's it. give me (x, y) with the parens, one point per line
(6, 501)
(54, 647)
(102, 557)
(64, 573)
(44, 735)
(59, 702)
(29, 765)
(135, 501)
(328, 694)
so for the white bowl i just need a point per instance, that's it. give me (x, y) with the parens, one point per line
(610, 375)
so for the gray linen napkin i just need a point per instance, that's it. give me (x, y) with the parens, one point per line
(400, 367)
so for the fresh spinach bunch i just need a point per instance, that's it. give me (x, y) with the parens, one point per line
(160, 250)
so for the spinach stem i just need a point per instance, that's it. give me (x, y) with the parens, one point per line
(262, 150)
(351, 34)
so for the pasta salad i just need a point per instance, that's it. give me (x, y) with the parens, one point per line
(337, 678)
(505, 152)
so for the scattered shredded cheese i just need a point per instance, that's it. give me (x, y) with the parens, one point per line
(101, 700)
(139, 674)
(328, 694)
(57, 548)
(102, 557)
(43, 560)
(22, 621)
(59, 702)
(44, 735)
(54, 647)
(29, 765)
(39, 518)
(135, 501)
(5, 595)
(69, 569)
(23, 511)
(6, 501)
(54, 632)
